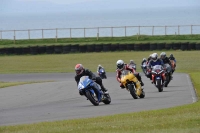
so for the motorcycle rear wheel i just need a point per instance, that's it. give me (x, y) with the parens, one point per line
(107, 99)
(142, 95)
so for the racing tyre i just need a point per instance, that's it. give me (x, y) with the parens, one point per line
(132, 91)
(167, 79)
(159, 85)
(142, 95)
(93, 99)
(107, 99)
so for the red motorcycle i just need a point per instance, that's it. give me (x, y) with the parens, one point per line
(158, 76)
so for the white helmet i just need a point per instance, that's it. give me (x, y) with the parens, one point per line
(120, 64)
(154, 57)
(163, 55)
(144, 59)
(131, 61)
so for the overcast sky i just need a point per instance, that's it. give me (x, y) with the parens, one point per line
(48, 6)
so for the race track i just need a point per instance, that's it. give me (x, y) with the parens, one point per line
(60, 100)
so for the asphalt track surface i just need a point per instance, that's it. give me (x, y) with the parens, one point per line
(60, 100)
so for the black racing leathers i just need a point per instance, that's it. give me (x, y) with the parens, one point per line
(87, 72)
(166, 60)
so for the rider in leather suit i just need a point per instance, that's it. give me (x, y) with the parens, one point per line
(155, 61)
(81, 71)
(122, 66)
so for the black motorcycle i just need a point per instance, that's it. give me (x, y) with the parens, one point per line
(144, 67)
(102, 73)
(168, 72)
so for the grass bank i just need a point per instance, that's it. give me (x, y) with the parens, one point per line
(181, 119)
(93, 40)
(187, 61)
(8, 84)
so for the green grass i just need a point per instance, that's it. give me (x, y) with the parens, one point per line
(93, 40)
(181, 119)
(187, 61)
(8, 84)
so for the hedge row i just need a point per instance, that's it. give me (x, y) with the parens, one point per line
(59, 49)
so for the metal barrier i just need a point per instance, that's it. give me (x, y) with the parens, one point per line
(122, 31)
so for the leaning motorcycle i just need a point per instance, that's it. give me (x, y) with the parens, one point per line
(133, 66)
(173, 64)
(132, 84)
(144, 68)
(157, 76)
(92, 91)
(168, 72)
(102, 73)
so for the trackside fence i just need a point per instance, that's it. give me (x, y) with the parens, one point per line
(121, 31)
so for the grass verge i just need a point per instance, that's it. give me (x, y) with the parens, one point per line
(93, 40)
(187, 61)
(8, 84)
(181, 119)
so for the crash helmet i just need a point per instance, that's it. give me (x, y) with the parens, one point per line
(99, 66)
(131, 62)
(79, 69)
(154, 57)
(162, 55)
(120, 65)
(144, 59)
(171, 55)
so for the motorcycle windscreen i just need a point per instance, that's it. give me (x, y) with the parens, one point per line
(157, 67)
(125, 73)
(84, 82)
(168, 67)
(101, 70)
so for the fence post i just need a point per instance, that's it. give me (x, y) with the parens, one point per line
(98, 33)
(56, 34)
(70, 32)
(42, 34)
(139, 30)
(178, 30)
(111, 31)
(191, 29)
(1, 36)
(165, 30)
(152, 30)
(98, 30)
(14, 36)
(125, 31)
(97, 36)
(29, 34)
(84, 32)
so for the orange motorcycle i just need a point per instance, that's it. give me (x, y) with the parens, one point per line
(132, 84)
(173, 64)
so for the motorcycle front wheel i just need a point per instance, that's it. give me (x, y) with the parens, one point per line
(167, 80)
(159, 85)
(132, 91)
(93, 99)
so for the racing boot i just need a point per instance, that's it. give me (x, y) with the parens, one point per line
(142, 84)
(140, 79)
(104, 89)
(122, 86)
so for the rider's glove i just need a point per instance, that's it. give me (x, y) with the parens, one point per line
(94, 79)
(81, 92)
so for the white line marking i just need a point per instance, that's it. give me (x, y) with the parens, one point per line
(192, 90)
